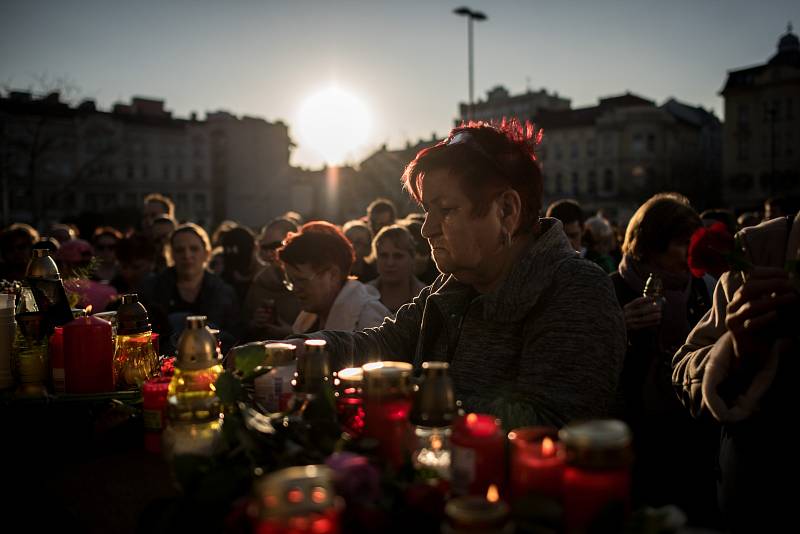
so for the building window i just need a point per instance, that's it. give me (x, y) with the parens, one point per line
(198, 174)
(651, 143)
(592, 183)
(590, 149)
(789, 109)
(608, 181)
(575, 184)
(179, 173)
(573, 150)
(165, 174)
(789, 149)
(199, 201)
(744, 114)
(559, 187)
(743, 149)
(144, 172)
(130, 171)
(558, 151)
(637, 144)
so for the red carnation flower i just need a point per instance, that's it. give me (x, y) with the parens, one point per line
(714, 250)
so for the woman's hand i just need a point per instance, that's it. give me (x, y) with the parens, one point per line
(755, 309)
(642, 312)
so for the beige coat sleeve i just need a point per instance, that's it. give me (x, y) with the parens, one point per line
(688, 364)
(764, 245)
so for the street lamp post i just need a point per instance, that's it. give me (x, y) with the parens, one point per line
(471, 15)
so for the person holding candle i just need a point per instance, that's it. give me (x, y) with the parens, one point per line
(533, 334)
(739, 366)
(187, 288)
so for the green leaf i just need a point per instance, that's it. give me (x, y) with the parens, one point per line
(229, 389)
(249, 357)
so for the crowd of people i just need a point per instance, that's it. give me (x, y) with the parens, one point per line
(543, 320)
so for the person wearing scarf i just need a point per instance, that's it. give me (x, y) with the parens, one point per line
(670, 447)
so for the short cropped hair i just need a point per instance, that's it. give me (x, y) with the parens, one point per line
(398, 235)
(487, 158)
(661, 219)
(319, 244)
(566, 210)
(165, 201)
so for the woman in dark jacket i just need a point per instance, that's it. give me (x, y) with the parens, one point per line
(670, 447)
(187, 288)
(532, 332)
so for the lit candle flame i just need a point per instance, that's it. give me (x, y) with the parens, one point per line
(548, 447)
(436, 443)
(472, 419)
(492, 494)
(89, 309)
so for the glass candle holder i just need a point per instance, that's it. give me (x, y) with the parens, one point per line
(350, 400)
(597, 475)
(387, 403)
(478, 454)
(473, 514)
(296, 500)
(537, 462)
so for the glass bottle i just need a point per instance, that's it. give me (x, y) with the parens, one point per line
(350, 400)
(432, 415)
(29, 362)
(313, 401)
(193, 408)
(135, 358)
(654, 287)
(45, 284)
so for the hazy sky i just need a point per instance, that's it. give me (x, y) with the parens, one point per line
(407, 60)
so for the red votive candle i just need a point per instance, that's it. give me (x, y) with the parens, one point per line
(537, 462)
(597, 476)
(88, 356)
(154, 412)
(387, 403)
(57, 359)
(350, 400)
(478, 454)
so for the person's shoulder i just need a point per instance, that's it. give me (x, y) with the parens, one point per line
(217, 284)
(581, 269)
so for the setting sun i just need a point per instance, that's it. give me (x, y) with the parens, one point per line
(333, 123)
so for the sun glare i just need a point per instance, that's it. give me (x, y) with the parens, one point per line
(334, 124)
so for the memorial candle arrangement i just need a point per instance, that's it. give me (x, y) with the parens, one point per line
(478, 454)
(537, 462)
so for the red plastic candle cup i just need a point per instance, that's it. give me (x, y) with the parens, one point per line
(537, 462)
(350, 400)
(478, 460)
(154, 412)
(57, 359)
(387, 404)
(597, 480)
(88, 356)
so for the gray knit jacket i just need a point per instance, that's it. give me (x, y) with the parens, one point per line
(543, 349)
